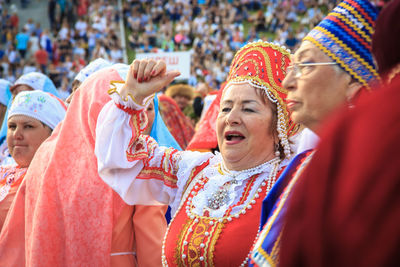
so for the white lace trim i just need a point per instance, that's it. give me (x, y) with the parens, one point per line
(185, 167)
(235, 191)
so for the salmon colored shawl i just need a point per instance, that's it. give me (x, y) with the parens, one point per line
(63, 213)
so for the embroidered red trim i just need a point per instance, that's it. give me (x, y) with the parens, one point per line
(126, 109)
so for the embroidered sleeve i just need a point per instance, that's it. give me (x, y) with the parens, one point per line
(131, 163)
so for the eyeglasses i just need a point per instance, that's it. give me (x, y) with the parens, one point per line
(299, 68)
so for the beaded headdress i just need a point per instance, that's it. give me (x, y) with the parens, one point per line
(263, 65)
(345, 36)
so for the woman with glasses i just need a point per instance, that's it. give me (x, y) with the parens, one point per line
(332, 66)
(360, 198)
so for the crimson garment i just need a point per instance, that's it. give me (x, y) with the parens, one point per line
(345, 210)
(205, 138)
(177, 123)
(386, 39)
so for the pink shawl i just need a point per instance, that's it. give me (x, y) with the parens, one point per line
(63, 213)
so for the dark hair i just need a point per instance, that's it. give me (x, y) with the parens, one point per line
(45, 125)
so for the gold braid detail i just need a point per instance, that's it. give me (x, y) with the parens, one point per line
(351, 25)
(217, 229)
(113, 90)
(348, 50)
(357, 15)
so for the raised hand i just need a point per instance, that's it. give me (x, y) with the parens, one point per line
(147, 77)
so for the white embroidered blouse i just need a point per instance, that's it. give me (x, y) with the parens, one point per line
(142, 172)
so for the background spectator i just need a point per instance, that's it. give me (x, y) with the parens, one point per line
(212, 30)
(78, 31)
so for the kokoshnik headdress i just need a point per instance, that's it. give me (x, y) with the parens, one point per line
(345, 36)
(263, 65)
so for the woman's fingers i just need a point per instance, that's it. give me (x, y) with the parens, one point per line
(145, 69)
(159, 68)
(163, 80)
(140, 71)
(148, 70)
(135, 67)
(141, 90)
(147, 77)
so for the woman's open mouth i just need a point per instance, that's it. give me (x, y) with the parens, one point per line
(233, 137)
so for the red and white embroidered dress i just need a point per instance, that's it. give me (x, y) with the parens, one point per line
(217, 211)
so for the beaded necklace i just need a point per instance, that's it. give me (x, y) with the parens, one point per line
(221, 187)
(236, 177)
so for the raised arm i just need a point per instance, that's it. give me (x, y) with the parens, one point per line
(145, 78)
(133, 164)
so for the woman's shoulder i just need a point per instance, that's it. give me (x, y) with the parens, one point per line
(192, 159)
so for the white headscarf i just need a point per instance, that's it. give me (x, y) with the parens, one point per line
(38, 105)
(92, 67)
(37, 81)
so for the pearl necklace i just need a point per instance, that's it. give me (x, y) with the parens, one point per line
(220, 188)
(220, 197)
(267, 181)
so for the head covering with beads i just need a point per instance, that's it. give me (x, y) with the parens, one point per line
(263, 65)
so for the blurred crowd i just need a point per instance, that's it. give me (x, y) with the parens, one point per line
(80, 31)
(214, 30)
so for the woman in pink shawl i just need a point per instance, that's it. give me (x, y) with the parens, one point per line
(64, 214)
(31, 118)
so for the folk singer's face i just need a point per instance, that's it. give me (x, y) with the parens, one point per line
(244, 128)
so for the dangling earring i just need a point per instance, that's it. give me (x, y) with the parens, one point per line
(350, 104)
(277, 153)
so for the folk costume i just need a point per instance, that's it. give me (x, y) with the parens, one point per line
(345, 209)
(216, 211)
(345, 36)
(352, 217)
(64, 214)
(42, 107)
